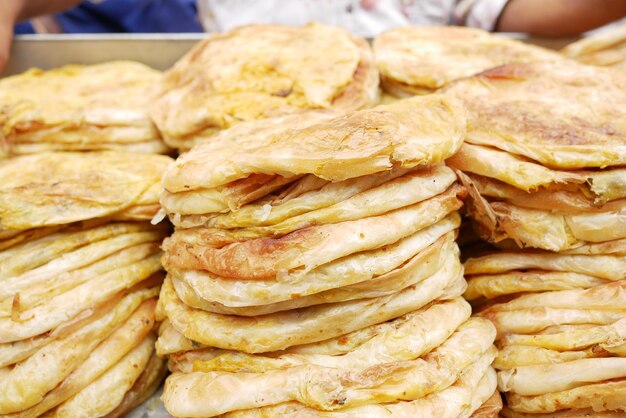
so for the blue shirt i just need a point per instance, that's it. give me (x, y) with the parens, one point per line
(140, 16)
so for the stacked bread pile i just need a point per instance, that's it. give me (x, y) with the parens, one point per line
(80, 275)
(313, 270)
(606, 48)
(79, 108)
(543, 161)
(260, 71)
(419, 60)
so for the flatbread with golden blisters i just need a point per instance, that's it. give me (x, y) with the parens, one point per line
(535, 110)
(85, 186)
(408, 133)
(418, 60)
(421, 254)
(461, 399)
(284, 329)
(80, 108)
(258, 71)
(331, 388)
(297, 253)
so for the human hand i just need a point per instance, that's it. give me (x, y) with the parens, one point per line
(9, 11)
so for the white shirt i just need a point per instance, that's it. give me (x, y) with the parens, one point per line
(362, 17)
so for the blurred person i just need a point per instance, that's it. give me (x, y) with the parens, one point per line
(363, 17)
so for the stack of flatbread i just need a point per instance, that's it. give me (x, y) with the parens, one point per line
(544, 154)
(606, 48)
(261, 71)
(419, 60)
(79, 108)
(543, 161)
(80, 274)
(313, 271)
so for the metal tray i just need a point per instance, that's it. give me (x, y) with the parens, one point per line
(158, 51)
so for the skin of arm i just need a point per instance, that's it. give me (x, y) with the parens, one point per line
(559, 17)
(13, 11)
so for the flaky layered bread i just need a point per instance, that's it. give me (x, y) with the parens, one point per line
(51, 189)
(407, 133)
(77, 319)
(535, 111)
(259, 71)
(79, 108)
(418, 60)
(283, 329)
(509, 273)
(561, 322)
(607, 48)
(408, 374)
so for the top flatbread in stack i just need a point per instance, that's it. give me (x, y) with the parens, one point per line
(607, 49)
(259, 71)
(51, 189)
(79, 108)
(418, 60)
(314, 265)
(544, 153)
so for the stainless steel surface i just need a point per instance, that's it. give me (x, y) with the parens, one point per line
(159, 51)
(49, 51)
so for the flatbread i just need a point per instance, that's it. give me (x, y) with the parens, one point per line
(491, 286)
(146, 384)
(605, 398)
(607, 48)
(47, 254)
(603, 266)
(317, 323)
(406, 338)
(54, 312)
(86, 186)
(571, 200)
(56, 360)
(24, 294)
(80, 108)
(115, 382)
(421, 254)
(461, 399)
(418, 60)
(323, 387)
(572, 340)
(545, 229)
(121, 341)
(258, 71)
(334, 202)
(566, 413)
(408, 133)
(535, 110)
(297, 253)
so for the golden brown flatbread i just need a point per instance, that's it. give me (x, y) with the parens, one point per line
(258, 71)
(419, 60)
(408, 133)
(59, 188)
(560, 114)
(79, 108)
(607, 48)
